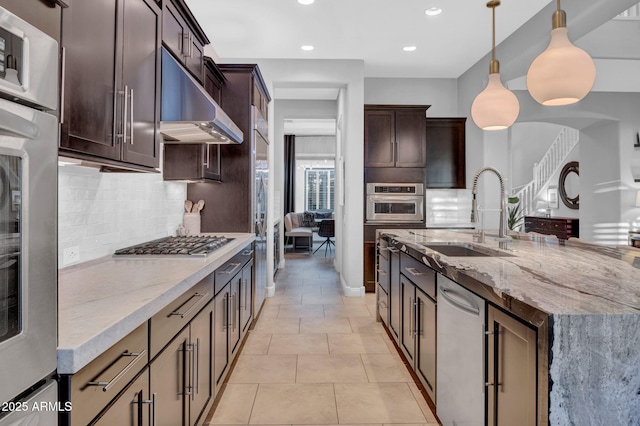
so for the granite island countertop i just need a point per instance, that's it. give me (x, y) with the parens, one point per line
(102, 301)
(545, 273)
(583, 301)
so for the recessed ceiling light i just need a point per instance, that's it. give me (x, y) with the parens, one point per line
(409, 48)
(306, 2)
(306, 47)
(433, 11)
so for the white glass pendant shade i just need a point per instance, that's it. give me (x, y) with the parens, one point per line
(561, 75)
(496, 107)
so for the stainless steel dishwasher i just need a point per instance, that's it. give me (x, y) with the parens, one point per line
(460, 393)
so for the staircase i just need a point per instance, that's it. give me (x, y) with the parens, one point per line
(550, 163)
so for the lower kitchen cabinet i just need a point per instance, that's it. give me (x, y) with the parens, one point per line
(246, 295)
(221, 337)
(181, 374)
(394, 292)
(134, 407)
(511, 371)
(418, 320)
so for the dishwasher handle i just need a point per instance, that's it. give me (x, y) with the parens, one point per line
(458, 301)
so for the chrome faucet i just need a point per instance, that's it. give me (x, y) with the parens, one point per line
(502, 235)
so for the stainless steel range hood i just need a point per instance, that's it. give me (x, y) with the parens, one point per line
(189, 115)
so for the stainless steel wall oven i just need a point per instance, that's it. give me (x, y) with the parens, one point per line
(28, 221)
(395, 202)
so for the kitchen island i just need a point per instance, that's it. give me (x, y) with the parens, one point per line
(583, 301)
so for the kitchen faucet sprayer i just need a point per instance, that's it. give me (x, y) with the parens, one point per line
(474, 204)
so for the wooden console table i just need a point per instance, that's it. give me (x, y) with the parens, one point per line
(561, 227)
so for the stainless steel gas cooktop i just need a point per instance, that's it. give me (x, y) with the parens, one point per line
(199, 245)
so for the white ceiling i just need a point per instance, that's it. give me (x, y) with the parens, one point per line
(374, 31)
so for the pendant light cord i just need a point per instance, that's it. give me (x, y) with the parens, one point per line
(493, 33)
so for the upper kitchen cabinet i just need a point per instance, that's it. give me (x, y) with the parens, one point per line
(183, 37)
(111, 83)
(213, 79)
(234, 201)
(446, 153)
(395, 135)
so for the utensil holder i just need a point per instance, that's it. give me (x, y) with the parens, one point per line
(192, 223)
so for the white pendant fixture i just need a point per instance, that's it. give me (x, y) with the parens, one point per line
(496, 107)
(563, 74)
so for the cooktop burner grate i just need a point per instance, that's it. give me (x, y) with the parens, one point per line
(199, 245)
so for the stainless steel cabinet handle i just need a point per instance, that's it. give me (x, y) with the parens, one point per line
(416, 306)
(226, 311)
(382, 304)
(234, 304)
(187, 387)
(206, 161)
(243, 291)
(421, 325)
(412, 318)
(131, 117)
(414, 271)
(63, 71)
(230, 271)
(107, 385)
(151, 401)
(188, 311)
(393, 250)
(125, 115)
(185, 44)
(381, 272)
(247, 252)
(191, 45)
(197, 374)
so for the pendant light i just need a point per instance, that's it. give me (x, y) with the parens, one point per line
(563, 74)
(496, 107)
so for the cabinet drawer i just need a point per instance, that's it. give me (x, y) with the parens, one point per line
(226, 272)
(420, 274)
(383, 304)
(93, 387)
(382, 273)
(169, 321)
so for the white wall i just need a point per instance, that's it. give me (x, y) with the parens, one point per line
(529, 142)
(440, 93)
(102, 212)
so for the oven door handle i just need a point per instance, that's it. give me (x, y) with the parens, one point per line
(15, 126)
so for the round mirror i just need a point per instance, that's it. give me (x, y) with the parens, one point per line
(569, 185)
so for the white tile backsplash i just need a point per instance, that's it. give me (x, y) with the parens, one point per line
(446, 207)
(102, 212)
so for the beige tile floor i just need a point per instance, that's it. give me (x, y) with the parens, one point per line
(316, 357)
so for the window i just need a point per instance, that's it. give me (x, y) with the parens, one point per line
(319, 189)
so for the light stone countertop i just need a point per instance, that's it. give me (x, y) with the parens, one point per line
(575, 278)
(102, 301)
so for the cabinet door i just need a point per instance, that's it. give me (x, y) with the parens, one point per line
(511, 369)
(408, 318)
(169, 381)
(194, 57)
(220, 337)
(89, 34)
(411, 138)
(212, 85)
(379, 139)
(174, 30)
(426, 356)
(141, 82)
(246, 297)
(234, 315)
(394, 293)
(201, 343)
(131, 408)
(212, 164)
(445, 153)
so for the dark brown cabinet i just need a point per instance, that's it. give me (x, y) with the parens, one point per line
(235, 200)
(111, 85)
(445, 146)
(213, 79)
(511, 371)
(395, 136)
(183, 37)
(192, 162)
(562, 227)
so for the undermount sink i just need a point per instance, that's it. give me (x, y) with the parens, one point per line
(464, 250)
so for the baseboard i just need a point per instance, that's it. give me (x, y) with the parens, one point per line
(351, 291)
